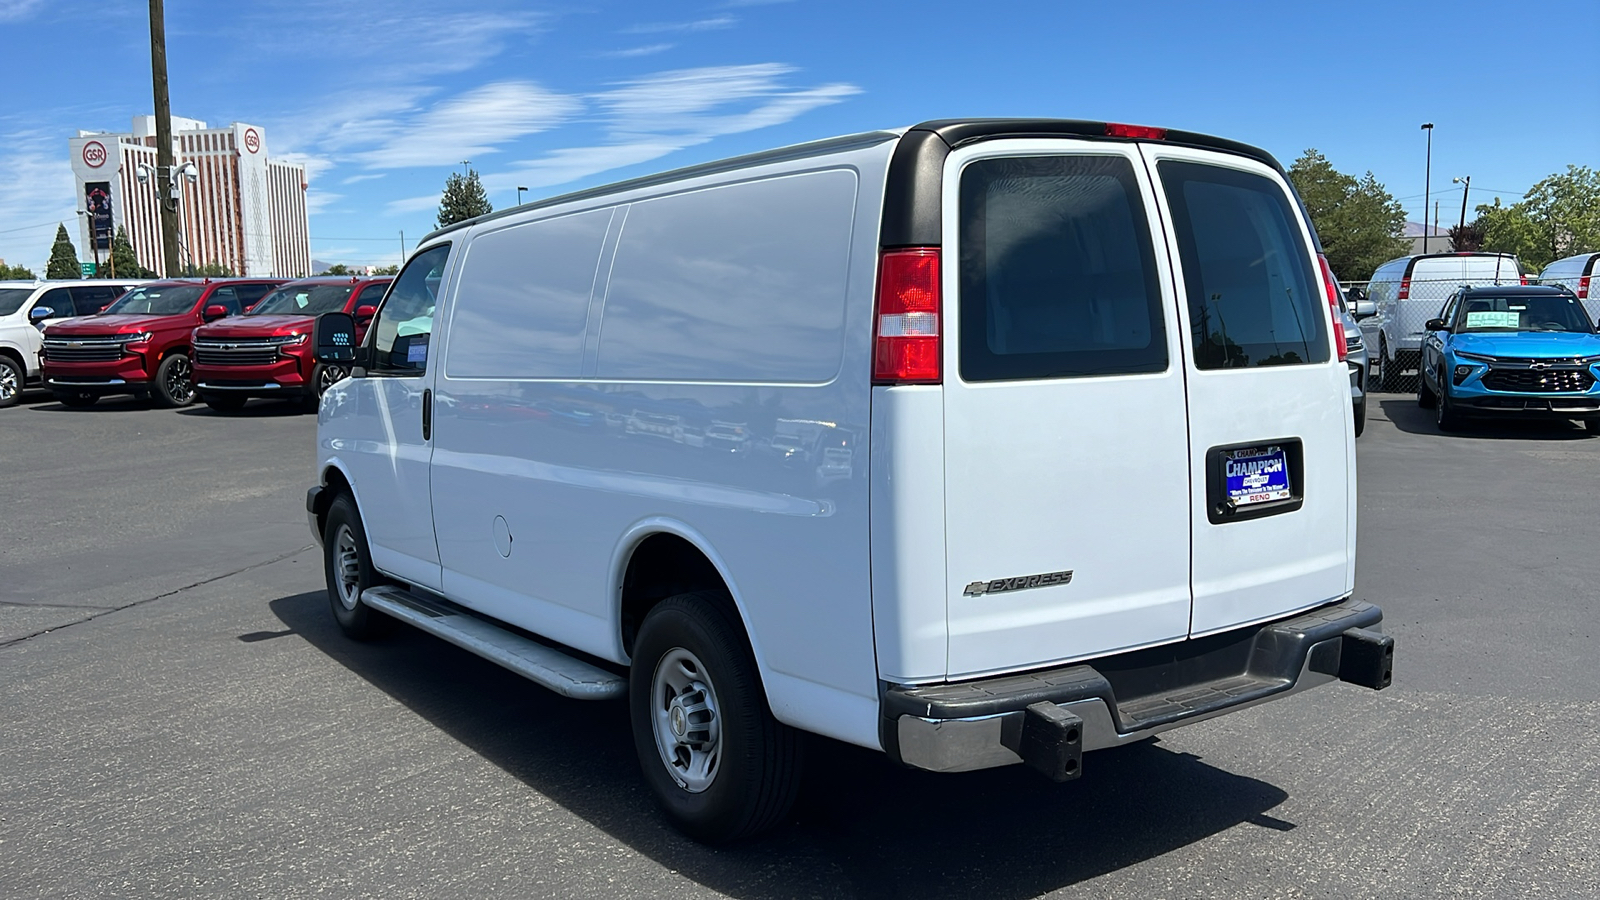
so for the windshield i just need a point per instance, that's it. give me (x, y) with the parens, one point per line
(11, 299)
(304, 300)
(159, 300)
(1504, 315)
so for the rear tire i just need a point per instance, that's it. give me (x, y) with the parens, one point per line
(225, 403)
(174, 384)
(76, 400)
(12, 380)
(1426, 398)
(716, 760)
(1388, 378)
(347, 566)
(1361, 416)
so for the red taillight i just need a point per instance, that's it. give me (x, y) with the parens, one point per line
(1405, 289)
(1144, 132)
(1523, 278)
(906, 333)
(1331, 287)
(1583, 288)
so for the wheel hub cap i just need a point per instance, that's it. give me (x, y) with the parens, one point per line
(348, 567)
(686, 721)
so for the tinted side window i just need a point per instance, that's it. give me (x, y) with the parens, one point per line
(522, 303)
(744, 282)
(91, 300)
(250, 294)
(404, 325)
(60, 302)
(1057, 271)
(1253, 298)
(225, 297)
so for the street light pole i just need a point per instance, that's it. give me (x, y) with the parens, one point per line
(1427, 177)
(1466, 187)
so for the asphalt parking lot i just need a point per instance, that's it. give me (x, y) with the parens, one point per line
(181, 717)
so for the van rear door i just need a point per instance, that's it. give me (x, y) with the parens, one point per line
(1272, 447)
(1067, 476)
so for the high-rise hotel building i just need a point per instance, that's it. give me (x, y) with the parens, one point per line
(236, 207)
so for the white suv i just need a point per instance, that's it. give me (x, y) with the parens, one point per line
(1050, 450)
(23, 317)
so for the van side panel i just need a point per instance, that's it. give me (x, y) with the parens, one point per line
(909, 610)
(729, 336)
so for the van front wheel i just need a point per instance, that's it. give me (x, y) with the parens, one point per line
(347, 563)
(719, 764)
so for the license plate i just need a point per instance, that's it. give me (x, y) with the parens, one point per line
(1257, 475)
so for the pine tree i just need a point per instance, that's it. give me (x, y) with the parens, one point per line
(464, 198)
(63, 257)
(124, 260)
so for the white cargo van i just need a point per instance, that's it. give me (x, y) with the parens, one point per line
(1016, 439)
(26, 307)
(1577, 274)
(1413, 289)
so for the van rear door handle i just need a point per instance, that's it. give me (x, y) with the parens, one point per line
(427, 413)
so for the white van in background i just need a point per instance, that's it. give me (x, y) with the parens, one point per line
(1577, 274)
(1016, 439)
(26, 307)
(1413, 289)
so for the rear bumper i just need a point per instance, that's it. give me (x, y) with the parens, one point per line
(1130, 696)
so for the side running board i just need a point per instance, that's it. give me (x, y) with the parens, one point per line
(538, 663)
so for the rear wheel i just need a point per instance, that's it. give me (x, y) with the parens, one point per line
(1388, 374)
(719, 764)
(1426, 398)
(73, 398)
(347, 565)
(1361, 416)
(174, 384)
(225, 403)
(12, 377)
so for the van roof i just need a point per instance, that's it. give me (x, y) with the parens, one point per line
(921, 145)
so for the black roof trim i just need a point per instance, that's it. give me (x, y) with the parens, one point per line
(911, 212)
(765, 157)
(1517, 290)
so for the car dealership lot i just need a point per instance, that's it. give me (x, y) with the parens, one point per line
(194, 724)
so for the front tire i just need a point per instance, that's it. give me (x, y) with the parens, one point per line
(12, 378)
(174, 384)
(1444, 411)
(347, 565)
(716, 760)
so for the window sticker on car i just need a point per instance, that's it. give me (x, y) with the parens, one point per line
(1491, 319)
(417, 350)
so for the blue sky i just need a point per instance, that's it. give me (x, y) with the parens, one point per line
(383, 99)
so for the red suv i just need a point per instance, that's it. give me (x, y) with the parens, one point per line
(267, 352)
(140, 344)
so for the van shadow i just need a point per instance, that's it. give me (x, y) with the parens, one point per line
(864, 827)
(1407, 416)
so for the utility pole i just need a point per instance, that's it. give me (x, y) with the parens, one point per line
(1466, 188)
(1427, 177)
(167, 203)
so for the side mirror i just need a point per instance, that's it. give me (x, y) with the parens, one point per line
(335, 338)
(1434, 325)
(40, 313)
(1357, 294)
(365, 312)
(214, 311)
(1365, 308)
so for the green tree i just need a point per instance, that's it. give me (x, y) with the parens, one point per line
(1357, 220)
(124, 260)
(337, 269)
(386, 270)
(1559, 217)
(212, 269)
(463, 199)
(15, 273)
(63, 257)
(1466, 238)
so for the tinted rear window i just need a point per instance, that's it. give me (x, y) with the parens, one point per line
(1253, 297)
(1057, 271)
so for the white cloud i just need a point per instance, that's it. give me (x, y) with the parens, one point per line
(357, 179)
(318, 201)
(36, 193)
(413, 204)
(714, 24)
(635, 52)
(12, 10)
(469, 125)
(649, 118)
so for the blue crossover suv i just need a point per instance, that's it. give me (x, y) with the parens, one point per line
(1506, 351)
